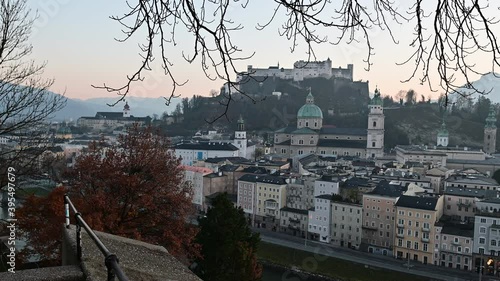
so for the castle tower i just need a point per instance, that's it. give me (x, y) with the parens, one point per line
(310, 115)
(240, 138)
(490, 132)
(442, 136)
(126, 110)
(375, 134)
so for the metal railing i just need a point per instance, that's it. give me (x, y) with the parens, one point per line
(110, 260)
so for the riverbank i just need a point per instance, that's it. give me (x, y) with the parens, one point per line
(325, 267)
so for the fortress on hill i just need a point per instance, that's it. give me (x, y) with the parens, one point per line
(301, 70)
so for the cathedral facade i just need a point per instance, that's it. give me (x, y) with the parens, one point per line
(311, 136)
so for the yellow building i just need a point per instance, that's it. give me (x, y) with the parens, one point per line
(415, 231)
(271, 197)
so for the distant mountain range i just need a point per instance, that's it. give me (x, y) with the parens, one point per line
(489, 84)
(139, 107)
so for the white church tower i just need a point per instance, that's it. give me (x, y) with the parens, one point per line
(126, 110)
(375, 135)
(443, 136)
(240, 138)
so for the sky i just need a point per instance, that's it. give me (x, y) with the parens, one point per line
(77, 40)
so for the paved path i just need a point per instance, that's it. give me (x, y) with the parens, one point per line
(430, 271)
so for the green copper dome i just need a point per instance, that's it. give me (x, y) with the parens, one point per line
(310, 110)
(377, 100)
(443, 132)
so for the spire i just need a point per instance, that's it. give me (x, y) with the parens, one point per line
(241, 124)
(443, 132)
(377, 100)
(310, 97)
(491, 120)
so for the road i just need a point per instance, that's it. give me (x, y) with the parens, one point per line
(379, 261)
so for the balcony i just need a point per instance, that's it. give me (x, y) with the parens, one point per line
(400, 235)
(294, 227)
(425, 240)
(426, 229)
(294, 220)
(401, 225)
(373, 228)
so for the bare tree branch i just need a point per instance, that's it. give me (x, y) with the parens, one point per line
(445, 38)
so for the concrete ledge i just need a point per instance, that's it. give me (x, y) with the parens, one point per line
(139, 260)
(59, 273)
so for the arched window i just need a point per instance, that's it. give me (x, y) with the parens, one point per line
(374, 123)
(489, 136)
(307, 124)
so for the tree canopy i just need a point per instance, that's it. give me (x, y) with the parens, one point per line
(133, 189)
(228, 246)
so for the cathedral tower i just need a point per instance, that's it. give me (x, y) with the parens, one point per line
(490, 132)
(375, 135)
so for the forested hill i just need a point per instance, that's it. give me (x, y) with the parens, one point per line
(336, 97)
(344, 104)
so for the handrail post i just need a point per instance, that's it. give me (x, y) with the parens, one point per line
(109, 261)
(78, 239)
(66, 210)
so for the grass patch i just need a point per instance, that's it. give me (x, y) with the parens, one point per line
(329, 266)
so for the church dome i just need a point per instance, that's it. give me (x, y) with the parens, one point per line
(310, 110)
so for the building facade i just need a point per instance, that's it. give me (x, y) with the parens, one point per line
(346, 224)
(378, 226)
(416, 235)
(311, 136)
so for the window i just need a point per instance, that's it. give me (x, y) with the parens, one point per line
(425, 247)
(408, 244)
(483, 220)
(482, 240)
(374, 124)
(400, 242)
(482, 229)
(415, 245)
(373, 144)
(494, 243)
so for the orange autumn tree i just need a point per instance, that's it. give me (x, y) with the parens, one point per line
(134, 189)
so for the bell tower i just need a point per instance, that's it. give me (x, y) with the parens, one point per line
(490, 132)
(375, 134)
(126, 110)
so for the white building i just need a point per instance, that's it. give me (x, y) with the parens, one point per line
(347, 219)
(320, 216)
(476, 182)
(247, 186)
(200, 151)
(194, 176)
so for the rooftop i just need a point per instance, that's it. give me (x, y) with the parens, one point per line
(470, 192)
(293, 210)
(207, 146)
(416, 202)
(343, 131)
(383, 188)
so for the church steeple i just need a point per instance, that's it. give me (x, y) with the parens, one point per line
(241, 124)
(490, 132)
(442, 136)
(126, 110)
